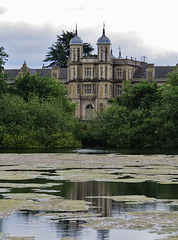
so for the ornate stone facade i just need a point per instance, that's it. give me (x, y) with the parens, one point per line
(91, 80)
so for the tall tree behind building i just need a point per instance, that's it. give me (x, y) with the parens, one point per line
(59, 51)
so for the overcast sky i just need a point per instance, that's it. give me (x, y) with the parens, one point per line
(139, 27)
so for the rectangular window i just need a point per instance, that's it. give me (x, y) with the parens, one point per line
(93, 72)
(119, 73)
(119, 90)
(94, 88)
(78, 88)
(78, 54)
(106, 72)
(106, 88)
(110, 90)
(87, 88)
(101, 53)
(106, 53)
(87, 71)
(101, 107)
(74, 73)
(101, 71)
(73, 54)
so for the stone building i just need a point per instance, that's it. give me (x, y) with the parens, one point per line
(92, 80)
(55, 71)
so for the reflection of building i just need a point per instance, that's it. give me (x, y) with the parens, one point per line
(92, 192)
(92, 80)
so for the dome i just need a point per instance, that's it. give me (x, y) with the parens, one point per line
(76, 40)
(103, 39)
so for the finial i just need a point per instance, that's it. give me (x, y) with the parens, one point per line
(103, 28)
(76, 29)
(120, 56)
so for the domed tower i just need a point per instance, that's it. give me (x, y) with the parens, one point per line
(103, 47)
(76, 48)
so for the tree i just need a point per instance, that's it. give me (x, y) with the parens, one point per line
(36, 123)
(59, 51)
(3, 58)
(173, 76)
(146, 115)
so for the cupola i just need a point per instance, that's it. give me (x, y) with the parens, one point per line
(103, 47)
(76, 48)
(76, 39)
(103, 39)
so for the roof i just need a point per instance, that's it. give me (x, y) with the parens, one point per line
(162, 71)
(103, 39)
(140, 72)
(76, 40)
(11, 73)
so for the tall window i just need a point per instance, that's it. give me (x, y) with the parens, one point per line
(87, 88)
(78, 88)
(119, 90)
(94, 88)
(73, 54)
(101, 71)
(106, 53)
(101, 53)
(74, 73)
(78, 54)
(105, 88)
(87, 71)
(119, 73)
(106, 72)
(101, 107)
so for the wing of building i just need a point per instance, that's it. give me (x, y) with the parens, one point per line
(92, 80)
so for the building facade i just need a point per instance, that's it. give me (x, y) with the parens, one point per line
(91, 81)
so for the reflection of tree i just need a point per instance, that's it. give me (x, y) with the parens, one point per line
(1, 222)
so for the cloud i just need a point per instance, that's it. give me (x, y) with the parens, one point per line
(29, 42)
(24, 41)
(2, 10)
(79, 8)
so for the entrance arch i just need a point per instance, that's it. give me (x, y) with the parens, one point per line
(89, 112)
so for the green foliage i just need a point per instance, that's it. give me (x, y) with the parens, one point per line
(173, 77)
(141, 95)
(3, 85)
(146, 115)
(3, 58)
(58, 53)
(36, 123)
(43, 87)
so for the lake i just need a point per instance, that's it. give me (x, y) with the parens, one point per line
(88, 194)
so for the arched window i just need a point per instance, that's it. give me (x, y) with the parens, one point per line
(89, 112)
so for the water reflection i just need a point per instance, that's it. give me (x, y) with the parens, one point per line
(30, 226)
(94, 192)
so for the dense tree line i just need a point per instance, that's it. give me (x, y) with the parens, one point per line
(145, 115)
(35, 113)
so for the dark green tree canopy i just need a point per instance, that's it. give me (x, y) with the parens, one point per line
(3, 58)
(59, 51)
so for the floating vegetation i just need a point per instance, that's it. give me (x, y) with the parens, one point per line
(155, 222)
(19, 238)
(33, 182)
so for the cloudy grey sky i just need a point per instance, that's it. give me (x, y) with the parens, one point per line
(139, 27)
